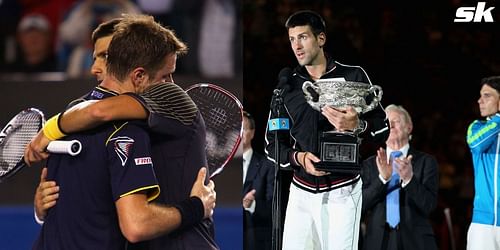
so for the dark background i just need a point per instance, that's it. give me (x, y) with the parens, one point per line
(415, 52)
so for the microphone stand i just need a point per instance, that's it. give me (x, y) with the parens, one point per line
(276, 207)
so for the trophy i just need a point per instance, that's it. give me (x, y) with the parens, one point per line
(339, 150)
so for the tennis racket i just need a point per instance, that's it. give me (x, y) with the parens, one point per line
(223, 115)
(16, 135)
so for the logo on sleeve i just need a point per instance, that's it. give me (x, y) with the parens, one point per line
(143, 161)
(123, 144)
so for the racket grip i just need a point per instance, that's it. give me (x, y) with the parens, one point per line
(73, 147)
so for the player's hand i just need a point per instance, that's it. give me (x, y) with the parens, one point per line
(46, 195)
(343, 119)
(307, 160)
(36, 149)
(383, 165)
(206, 193)
(249, 198)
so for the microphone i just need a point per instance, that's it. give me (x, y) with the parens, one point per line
(283, 77)
(280, 123)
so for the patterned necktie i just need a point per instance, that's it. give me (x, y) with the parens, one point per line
(392, 200)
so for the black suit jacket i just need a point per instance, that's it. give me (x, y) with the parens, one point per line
(417, 200)
(258, 225)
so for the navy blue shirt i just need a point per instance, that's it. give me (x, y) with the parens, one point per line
(115, 161)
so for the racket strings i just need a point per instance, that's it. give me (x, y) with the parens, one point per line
(222, 117)
(24, 127)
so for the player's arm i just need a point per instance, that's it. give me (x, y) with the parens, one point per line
(160, 101)
(481, 135)
(83, 116)
(90, 114)
(87, 115)
(141, 220)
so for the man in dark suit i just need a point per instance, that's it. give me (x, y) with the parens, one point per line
(399, 192)
(258, 178)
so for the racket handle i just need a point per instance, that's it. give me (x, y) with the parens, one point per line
(72, 148)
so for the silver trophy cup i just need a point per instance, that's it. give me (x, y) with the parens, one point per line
(340, 94)
(339, 151)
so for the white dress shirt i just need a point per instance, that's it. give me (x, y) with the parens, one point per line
(247, 156)
(404, 151)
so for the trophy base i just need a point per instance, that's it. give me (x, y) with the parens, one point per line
(327, 167)
(339, 152)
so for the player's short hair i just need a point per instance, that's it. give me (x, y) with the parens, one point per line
(105, 29)
(492, 81)
(251, 121)
(307, 17)
(139, 41)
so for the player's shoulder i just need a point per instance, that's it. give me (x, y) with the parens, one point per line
(136, 128)
(170, 101)
(163, 90)
(137, 125)
(349, 68)
(127, 133)
(352, 72)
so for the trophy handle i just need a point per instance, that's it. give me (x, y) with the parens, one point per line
(377, 97)
(312, 92)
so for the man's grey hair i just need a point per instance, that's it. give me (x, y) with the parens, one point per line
(402, 111)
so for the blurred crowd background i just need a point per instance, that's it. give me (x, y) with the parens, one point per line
(415, 52)
(54, 35)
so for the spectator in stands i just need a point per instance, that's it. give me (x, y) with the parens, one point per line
(75, 51)
(35, 46)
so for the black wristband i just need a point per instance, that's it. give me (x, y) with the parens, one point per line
(59, 123)
(192, 212)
